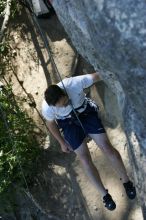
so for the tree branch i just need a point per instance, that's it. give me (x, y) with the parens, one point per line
(6, 19)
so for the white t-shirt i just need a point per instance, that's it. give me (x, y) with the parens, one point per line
(74, 87)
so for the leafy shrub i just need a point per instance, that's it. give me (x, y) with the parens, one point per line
(18, 144)
(14, 7)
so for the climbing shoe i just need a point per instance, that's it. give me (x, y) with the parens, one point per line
(130, 190)
(108, 201)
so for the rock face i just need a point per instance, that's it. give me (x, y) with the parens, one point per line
(111, 35)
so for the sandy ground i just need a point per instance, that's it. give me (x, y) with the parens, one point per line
(61, 187)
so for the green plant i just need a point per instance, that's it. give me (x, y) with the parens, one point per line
(18, 144)
(2, 7)
(14, 7)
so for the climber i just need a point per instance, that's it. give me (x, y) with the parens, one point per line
(66, 107)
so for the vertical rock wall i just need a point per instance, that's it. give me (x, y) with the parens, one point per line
(111, 35)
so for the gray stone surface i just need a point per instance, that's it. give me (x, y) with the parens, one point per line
(111, 35)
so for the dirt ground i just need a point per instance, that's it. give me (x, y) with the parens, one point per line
(61, 188)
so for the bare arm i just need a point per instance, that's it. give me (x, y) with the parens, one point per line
(53, 128)
(96, 77)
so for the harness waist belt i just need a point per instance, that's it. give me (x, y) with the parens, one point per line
(81, 106)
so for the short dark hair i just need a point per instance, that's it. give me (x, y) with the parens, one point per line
(53, 94)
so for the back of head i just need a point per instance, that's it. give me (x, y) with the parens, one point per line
(53, 94)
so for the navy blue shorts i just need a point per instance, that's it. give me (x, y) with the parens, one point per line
(72, 130)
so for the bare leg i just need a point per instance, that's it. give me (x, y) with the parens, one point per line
(90, 169)
(112, 154)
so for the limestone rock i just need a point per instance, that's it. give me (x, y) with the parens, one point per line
(111, 35)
